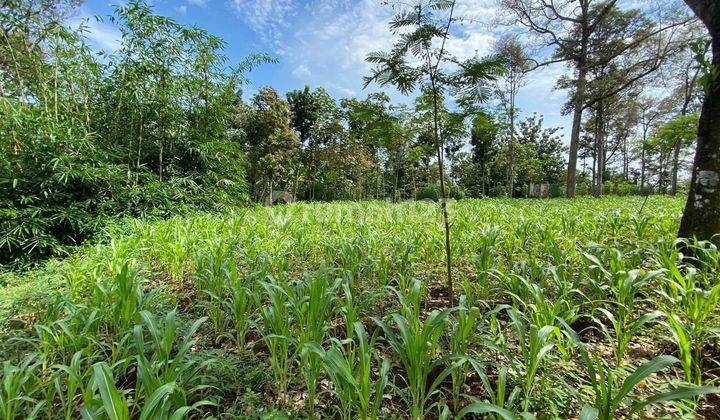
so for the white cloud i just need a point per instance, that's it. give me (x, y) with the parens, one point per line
(334, 37)
(343, 90)
(103, 35)
(267, 18)
(476, 11)
(181, 9)
(476, 43)
(301, 71)
(325, 42)
(200, 3)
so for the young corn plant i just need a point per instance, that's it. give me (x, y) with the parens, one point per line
(347, 305)
(464, 328)
(502, 402)
(534, 344)
(689, 306)
(350, 367)
(175, 251)
(486, 240)
(170, 364)
(543, 310)
(610, 392)
(416, 343)
(625, 326)
(103, 397)
(19, 385)
(277, 333)
(106, 401)
(242, 305)
(68, 334)
(628, 286)
(120, 299)
(311, 304)
(69, 381)
(215, 272)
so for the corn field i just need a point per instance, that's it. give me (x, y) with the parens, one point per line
(565, 308)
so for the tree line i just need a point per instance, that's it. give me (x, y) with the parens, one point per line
(160, 126)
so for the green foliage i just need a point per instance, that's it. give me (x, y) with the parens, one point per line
(350, 368)
(415, 343)
(610, 392)
(144, 131)
(288, 294)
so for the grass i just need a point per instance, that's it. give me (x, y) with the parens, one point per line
(566, 308)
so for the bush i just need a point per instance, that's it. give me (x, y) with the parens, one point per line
(620, 188)
(81, 151)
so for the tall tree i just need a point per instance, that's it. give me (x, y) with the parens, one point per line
(547, 146)
(517, 65)
(271, 144)
(420, 57)
(318, 121)
(648, 117)
(686, 95)
(380, 128)
(568, 27)
(483, 135)
(701, 218)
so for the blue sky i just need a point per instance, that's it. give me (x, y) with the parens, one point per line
(324, 42)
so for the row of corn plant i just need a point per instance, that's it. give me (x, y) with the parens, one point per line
(338, 303)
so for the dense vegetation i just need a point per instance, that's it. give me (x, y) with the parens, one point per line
(184, 299)
(141, 132)
(340, 310)
(160, 127)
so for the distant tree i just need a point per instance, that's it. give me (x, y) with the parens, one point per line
(380, 127)
(648, 118)
(548, 148)
(517, 66)
(305, 111)
(568, 28)
(483, 143)
(451, 126)
(675, 136)
(686, 95)
(26, 25)
(272, 147)
(146, 129)
(317, 119)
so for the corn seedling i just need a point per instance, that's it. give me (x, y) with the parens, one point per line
(170, 361)
(241, 305)
(624, 328)
(105, 397)
(18, 389)
(689, 308)
(416, 344)
(277, 334)
(610, 392)
(311, 304)
(466, 325)
(350, 369)
(69, 381)
(534, 344)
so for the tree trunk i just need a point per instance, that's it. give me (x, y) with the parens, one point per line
(599, 150)
(675, 168)
(701, 218)
(443, 201)
(575, 134)
(511, 155)
(626, 160)
(642, 168)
